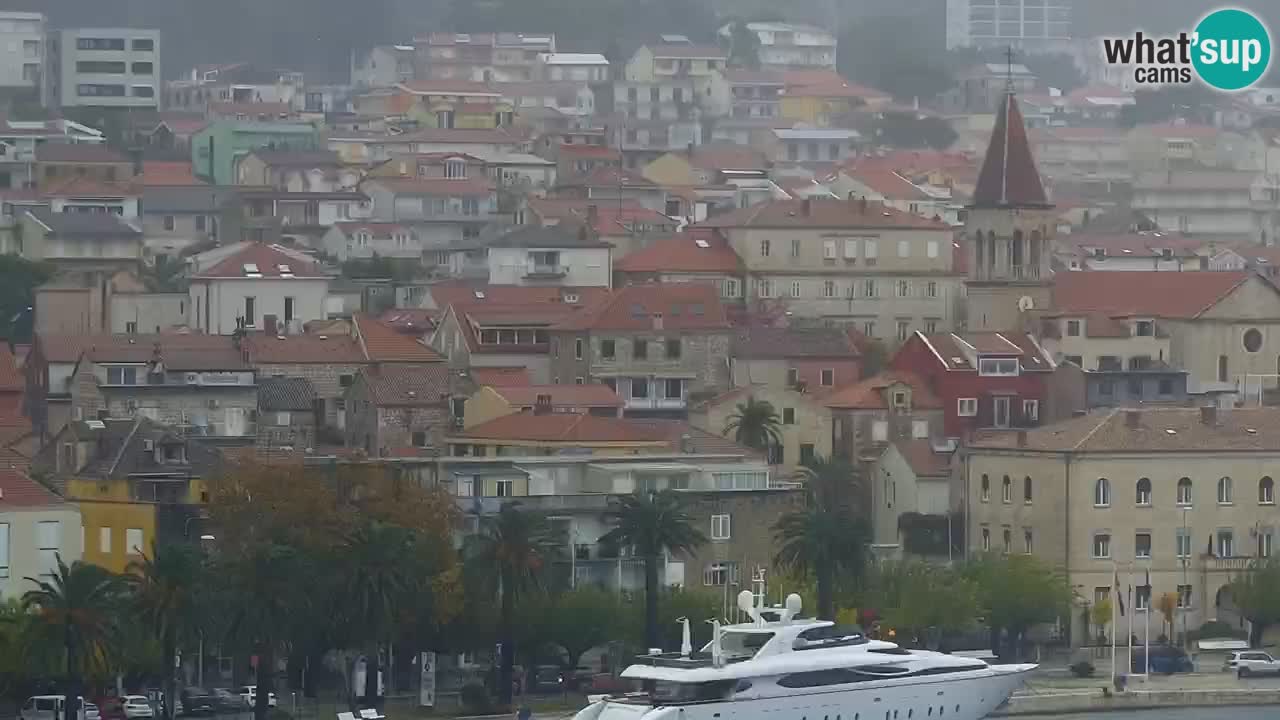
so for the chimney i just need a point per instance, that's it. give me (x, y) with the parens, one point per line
(806, 206)
(593, 215)
(657, 321)
(1132, 419)
(1209, 415)
(542, 406)
(269, 325)
(1022, 438)
(862, 205)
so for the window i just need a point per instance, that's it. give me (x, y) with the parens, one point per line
(986, 488)
(673, 388)
(1165, 386)
(788, 416)
(47, 539)
(967, 407)
(455, 169)
(1182, 537)
(1101, 545)
(1026, 489)
(904, 330)
(720, 527)
(639, 388)
(1184, 492)
(1102, 493)
(505, 487)
(1265, 538)
(418, 439)
(344, 380)
(250, 311)
(1143, 494)
(1142, 597)
(827, 377)
(1252, 340)
(288, 310)
(904, 248)
(1026, 541)
(729, 288)
(1226, 543)
(133, 541)
(764, 288)
(1144, 328)
(142, 45)
(122, 375)
(1006, 490)
(997, 367)
(142, 68)
(4, 550)
(1031, 410)
(931, 249)
(1223, 369)
(1007, 537)
(765, 246)
(1142, 545)
(986, 539)
(793, 377)
(100, 67)
(828, 288)
(577, 348)
(640, 349)
(673, 349)
(1184, 596)
(807, 453)
(869, 288)
(795, 288)
(721, 573)
(1224, 491)
(1266, 491)
(1073, 328)
(870, 249)
(607, 349)
(795, 248)
(169, 222)
(931, 289)
(903, 288)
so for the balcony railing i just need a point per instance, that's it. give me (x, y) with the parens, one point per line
(1213, 563)
(546, 270)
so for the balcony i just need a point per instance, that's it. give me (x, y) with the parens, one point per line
(1213, 563)
(545, 271)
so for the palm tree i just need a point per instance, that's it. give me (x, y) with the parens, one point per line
(378, 584)
(755, 424)
(164, 593)
(653, 524)
(825, 538)
(79, 607)
(512, 550)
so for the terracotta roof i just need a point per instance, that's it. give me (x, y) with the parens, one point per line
(85, 186)
(19, 491)
(10, 379)
(1154, 294)
(695, 250)
(384, 344)
(156, 173)
(500, 376)
(789, 342)
(612, 176)
(408, 385)
(449, 293)
(410, 321)
(727, 156)
(869, 394)
(223, 356)
(678, 306)
(881, 178)
(566, 428)
(960, 352)
(447, 87)
(1131, 245)
(823, 213)
(303, 349)
(434, 186)
(583, 150)
(78, 153)
(1236, 429)
(561, 395)
(58, 348)
(686, 51)
(271, 263)
(487, 314)
(922, 459)
(837, 90)
(1009, 176)
(285, 393)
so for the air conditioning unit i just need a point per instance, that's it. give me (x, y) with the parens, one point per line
(193, 378)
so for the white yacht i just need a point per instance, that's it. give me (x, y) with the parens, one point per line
(781, 667)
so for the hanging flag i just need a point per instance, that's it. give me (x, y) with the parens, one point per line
(1119, 595)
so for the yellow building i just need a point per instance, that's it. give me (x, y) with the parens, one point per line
(549, 433)
(824, 104)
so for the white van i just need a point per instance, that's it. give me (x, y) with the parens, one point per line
(48, 707)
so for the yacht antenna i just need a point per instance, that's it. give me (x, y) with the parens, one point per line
(686, 642)
(717, 650)
(760, 596)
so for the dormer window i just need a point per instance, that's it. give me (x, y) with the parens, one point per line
(998, 367)
(1144, 328)
(1166, 253)
(1073, 328)
(900, 399)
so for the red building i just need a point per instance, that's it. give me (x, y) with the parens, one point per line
(984, 379)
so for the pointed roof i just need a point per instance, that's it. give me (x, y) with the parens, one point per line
(1009, 177)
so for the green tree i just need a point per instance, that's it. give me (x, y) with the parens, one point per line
(19, 278)
(742, 46)
(700, 606)
(755, 424)
(1257, 593)
(911, 130)
(164, 587)
(906, 595)
(825, 539)
(513, 552)
(1016, 592)
(874, 356)
(653, 523)
(165, 275)
(78, 607)
(580, 619)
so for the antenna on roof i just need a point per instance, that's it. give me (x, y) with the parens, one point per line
(1008, 57)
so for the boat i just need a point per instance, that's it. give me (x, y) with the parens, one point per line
(779, 666)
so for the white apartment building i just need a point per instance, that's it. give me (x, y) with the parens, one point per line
(22, 49)
(104, 67)
(1224, 203)
(791, 46)
(1027, 24)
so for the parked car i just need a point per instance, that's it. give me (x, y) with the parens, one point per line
(250, 695)
(547, 679)
(196, 701)
(138, 707)
(111, 707)
(48, 707)
(1165, 659)
(1252, 662)
(91, 712)
(225, 701)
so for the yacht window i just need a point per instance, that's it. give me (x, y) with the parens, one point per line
(674, 692)
(738, 644)
(891, 651)
(828, 636)
(883, 669)
(816, 678)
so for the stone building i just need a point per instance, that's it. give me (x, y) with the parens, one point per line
(392, 408)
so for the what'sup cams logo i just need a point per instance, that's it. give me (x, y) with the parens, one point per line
(1229, 49)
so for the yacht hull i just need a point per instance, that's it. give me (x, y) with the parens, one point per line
(962, 698)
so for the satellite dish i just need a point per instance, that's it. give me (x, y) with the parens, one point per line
(1025, 303)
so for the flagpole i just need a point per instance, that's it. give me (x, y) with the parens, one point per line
(1114, 625)
(1146, 655)
(1133, 608)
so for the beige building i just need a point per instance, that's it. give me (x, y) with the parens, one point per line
(1187, 494)
(36, 527)
(912, 478)
(850, 262)
(489, 402)
(805, 423)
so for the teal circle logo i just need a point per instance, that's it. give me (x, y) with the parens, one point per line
(1231, 49)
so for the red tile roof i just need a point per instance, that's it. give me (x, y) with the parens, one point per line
(1153, 294)
(869, 394)
(10, 379)
(1009, 176)
(837, 90)
(62, 152)
(447, 87)
(566, 428)
(880, 177)
(960, 351)
(678, 306)
(84, 186)
(561, 395)
(382, 343)
(408, 385)
(501, 376)
(449, 293)
(692, 251)
(924, 462)
(156, 173)
(271, 264)
(410, 321)
(303, 349)
(19, 491)
(58, 348)
(434, 186)
(727, 156)
(582, 150)
(822, 213)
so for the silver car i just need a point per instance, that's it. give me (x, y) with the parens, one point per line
(1252, 662)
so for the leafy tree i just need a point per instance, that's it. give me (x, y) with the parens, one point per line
(825, 538)
(1100, 615)
(1192, 103)
(79, 608)
(1167, 604)
(911, 130)
(165, 275)
(907, 592)
(1257, 594)
(19, 278)
(654, 524)
(755, 424)
(742, 46)
(700, 606)
(1016, 592)
(581, 619)
(874, 355)
(513, 550)
(164, 587)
